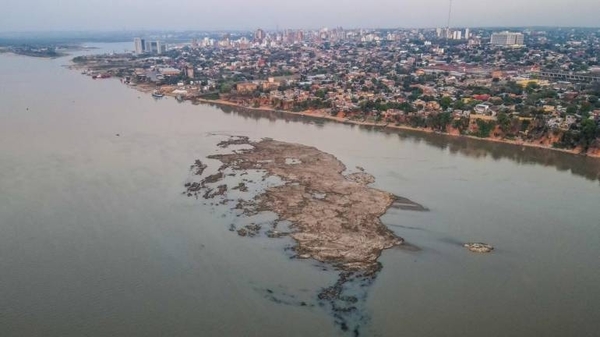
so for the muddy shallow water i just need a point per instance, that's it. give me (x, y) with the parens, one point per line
(98, 240)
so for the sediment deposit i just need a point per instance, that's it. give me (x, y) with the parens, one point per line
(334, 217)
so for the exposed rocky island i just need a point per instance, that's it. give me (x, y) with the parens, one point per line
(478, 247)
(334, 217)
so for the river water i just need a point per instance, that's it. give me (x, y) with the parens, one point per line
(97, 240)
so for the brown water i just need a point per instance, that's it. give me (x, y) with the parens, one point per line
(96, 239)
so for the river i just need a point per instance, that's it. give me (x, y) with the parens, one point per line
(97, 240)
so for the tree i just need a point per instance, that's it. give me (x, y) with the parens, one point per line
(571, 109)
(589, 133)
(505, 123)
(445, 102)
(459, 104)
(484, 129)
(440, 121)
(462, 124)
(415, 94)
(586, 107)
(508, 100)
(531, 87)
(225, 88)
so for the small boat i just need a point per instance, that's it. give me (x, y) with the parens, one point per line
(157, 94)
(101, 76)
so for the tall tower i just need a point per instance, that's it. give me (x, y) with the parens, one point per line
(139, 45)
(259, 35)
(448, 35)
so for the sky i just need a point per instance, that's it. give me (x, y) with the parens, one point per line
(111, 15)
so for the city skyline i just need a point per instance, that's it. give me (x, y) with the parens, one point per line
(71, 15)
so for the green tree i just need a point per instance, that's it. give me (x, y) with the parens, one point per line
(461, 124)
(531, 87)
(459, 104)
(445, 102)
(589, 133)
(225, 88)
(505, 123)
(484, 128)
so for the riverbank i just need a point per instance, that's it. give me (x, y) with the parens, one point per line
(321, 115)
(169, 91)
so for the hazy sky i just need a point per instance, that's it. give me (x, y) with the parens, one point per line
(34, 15)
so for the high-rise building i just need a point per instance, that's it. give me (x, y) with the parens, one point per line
(259, 35)
(457, 35)
(139, 45)
(154, 47)
(467, 34)
(507, 39)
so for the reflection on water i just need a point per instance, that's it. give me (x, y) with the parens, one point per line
(587, 167)
(580, 165)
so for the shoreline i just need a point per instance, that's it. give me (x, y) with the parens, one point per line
(147, 89)
(221, 102)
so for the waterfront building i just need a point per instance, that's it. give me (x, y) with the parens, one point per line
(139, 45)
(154, 47)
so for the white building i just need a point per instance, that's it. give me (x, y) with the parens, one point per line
(154, 47)
(439, 32)
(139, 45)
(507, 39)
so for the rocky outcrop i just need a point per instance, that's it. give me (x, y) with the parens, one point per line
(333, 218)
(479, 247)
(343, 226)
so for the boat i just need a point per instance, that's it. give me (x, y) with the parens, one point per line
(101, 76)
(157, 94)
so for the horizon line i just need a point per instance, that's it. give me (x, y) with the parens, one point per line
(276, 29)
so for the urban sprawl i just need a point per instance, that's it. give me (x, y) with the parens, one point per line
(537, 87)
